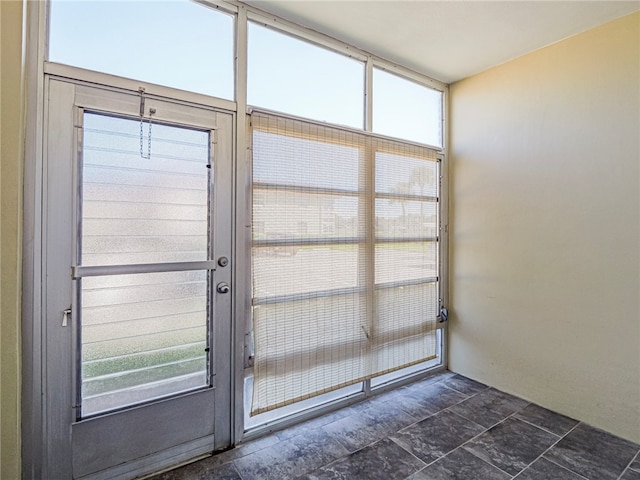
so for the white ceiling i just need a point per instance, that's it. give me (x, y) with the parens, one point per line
(448, 40)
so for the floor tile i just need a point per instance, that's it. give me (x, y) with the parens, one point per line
(543, 418)
(368, 424)
(432, 429)
(202, 471)
(489, 407)
(511, 445)
(465, 385)
(311, 425)
(630, 475)
(437, 435)
(389, 417)
(353, 432)
(436, 396)
(382, 460)
(460, 465)
(416, 406)
(290, 458)
(543, 469)
(244, 449)
(593, 453)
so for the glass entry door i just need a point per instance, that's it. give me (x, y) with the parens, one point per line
(138, 222)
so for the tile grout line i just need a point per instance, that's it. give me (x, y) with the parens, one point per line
(486, 429)
(562, 467)
(550, 447)
(235, 467)
(492, 426)
(544, 429)
(486, 387)
(424, 464)
(628, 467)
(436, 413)
(439, 411)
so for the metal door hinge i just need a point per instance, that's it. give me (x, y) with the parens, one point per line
(65, 316)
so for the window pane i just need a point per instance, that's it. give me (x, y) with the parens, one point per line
(402, 175)
(137, 210)
(405, 311)
(402, 218)
(404, 109)
(291, 270)
(178, 44)
(307, 354)
(406, 326)
(304, 162)
(291, 215)
(405, 261)
(143, 336)
(296, 77)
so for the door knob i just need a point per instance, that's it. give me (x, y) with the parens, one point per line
(223, 287)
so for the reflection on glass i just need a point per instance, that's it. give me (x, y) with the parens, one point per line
(143, 336)
(404, 109)
(177, 44)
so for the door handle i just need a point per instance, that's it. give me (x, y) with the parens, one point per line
(223, 287)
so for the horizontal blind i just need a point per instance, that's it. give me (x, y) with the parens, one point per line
(406, 272)
(323, 226)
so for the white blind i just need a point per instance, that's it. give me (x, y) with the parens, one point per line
(344, 258)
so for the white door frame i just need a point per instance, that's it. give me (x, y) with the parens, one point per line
(65, 439)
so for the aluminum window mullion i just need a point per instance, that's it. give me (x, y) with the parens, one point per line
(368, 95)
(295, 297)
(305, 189)
(405, 196)
(277, 242)
(406, 240)
(370, 247)
(406, 283)
(80, 271)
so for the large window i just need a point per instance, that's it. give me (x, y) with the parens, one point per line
(289, 75)
(345, 220)
(178, 44)
(344, 258)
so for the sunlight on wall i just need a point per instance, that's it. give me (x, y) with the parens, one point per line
(545, 198)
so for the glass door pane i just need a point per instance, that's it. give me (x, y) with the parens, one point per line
(144, 329)
(144, 336)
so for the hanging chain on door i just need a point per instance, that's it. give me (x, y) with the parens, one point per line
(152, 111)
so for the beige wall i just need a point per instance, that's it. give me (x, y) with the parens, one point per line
(545, 265)
(10, 234)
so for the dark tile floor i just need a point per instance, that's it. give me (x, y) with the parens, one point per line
(444, 427)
